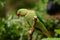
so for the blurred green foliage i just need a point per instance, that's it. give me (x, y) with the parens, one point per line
(14, 28)
(51, 39)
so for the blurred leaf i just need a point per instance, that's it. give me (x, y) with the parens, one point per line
(57, 31)
(51, 39)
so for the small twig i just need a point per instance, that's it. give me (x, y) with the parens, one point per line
(33, 28)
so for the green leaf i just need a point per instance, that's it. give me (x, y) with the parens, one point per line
(51, 39)
(57, 31)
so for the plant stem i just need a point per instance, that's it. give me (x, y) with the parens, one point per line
(33, 28)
